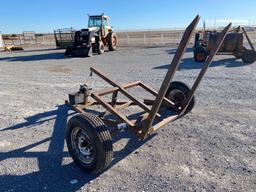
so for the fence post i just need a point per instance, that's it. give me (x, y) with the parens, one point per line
(161, 37)
(144, 38)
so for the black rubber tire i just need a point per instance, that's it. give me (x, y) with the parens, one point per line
(100, 139)
(100, 47)
(178, 93)
(200, 54)
(249, 56)
(112, 41)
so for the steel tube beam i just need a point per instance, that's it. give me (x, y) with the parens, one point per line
(153, 92)
(174, 65)
(113, 89)
(164, 122)
(112, 109)
(206, 66)
(122, 90)
(248, 39)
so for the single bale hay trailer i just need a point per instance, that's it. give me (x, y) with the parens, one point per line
(232, 45)
(89, 137)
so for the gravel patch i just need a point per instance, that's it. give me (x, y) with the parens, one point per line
(213, 148)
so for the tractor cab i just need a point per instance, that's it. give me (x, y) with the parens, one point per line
(100, 21)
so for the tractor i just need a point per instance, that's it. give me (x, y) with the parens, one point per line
(232, 45)
(93, 39)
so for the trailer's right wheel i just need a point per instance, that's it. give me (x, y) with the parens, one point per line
(178, 93)
(200, 54)
(249, 56)
(89, 143)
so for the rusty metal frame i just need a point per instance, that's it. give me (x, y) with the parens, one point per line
(150, 119)
(243, 31)
(248, 39)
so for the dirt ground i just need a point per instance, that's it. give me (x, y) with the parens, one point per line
(213, 148)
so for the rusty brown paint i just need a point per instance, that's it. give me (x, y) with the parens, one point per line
(173, 67)
(122, 90)
(112, 109)
(248, 39)
(144, 125)
(206, 66)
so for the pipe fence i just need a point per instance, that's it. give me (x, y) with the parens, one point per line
(126, 38)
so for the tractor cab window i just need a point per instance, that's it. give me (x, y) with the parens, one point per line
(94, 22)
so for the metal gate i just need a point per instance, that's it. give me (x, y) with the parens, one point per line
(64, 37)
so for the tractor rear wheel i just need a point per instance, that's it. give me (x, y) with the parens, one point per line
(178, 93)
(100, 47)
(249, 56)
(112, 41)
(89, 143)
(200, 54)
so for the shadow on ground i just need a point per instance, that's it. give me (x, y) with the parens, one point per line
(40, 57)
(173, 51)
(37, 57)
(53, 175)
(189, 63)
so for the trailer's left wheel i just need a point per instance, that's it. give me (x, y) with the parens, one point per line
(89, 143)
(178, 93)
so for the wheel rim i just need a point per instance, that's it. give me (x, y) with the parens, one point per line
(82, 145)
(114, 41)
(178, 97)
(200, 56)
